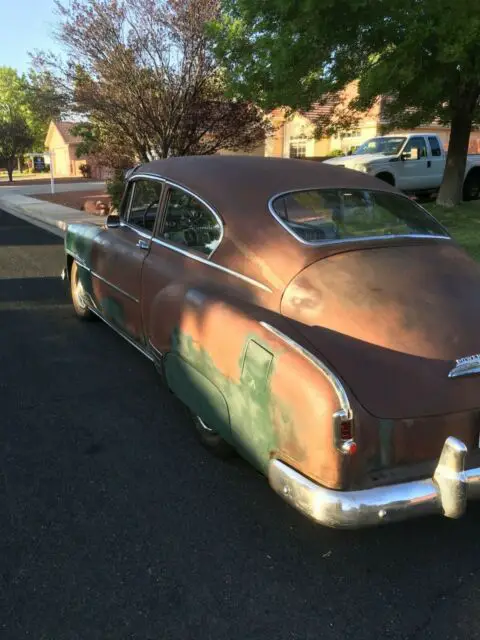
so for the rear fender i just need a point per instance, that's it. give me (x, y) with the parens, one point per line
(262, 392)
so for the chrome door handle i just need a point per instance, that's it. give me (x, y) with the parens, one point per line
(143, 244)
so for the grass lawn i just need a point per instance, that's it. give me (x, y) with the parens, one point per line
(463, 222)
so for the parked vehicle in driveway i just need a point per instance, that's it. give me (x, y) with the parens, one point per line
(313, 319)
(412, 162)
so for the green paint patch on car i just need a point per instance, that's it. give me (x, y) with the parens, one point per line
(240, 411)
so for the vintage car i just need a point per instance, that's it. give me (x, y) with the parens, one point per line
(310, 317)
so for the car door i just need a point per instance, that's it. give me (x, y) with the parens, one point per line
(437, 162)
(413, 172)
(188, 233)
(119, 258)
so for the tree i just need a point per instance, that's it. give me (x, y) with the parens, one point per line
(45, 101)
(26, 107)
(142, 73)
(15, 139)
(423, 56)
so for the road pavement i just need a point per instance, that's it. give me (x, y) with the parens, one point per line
(115, 524)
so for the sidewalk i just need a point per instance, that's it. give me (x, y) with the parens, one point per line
(51, 217)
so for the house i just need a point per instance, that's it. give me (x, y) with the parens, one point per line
(294, 134)
(62, 144)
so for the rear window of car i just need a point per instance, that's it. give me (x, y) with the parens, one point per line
(321, 215)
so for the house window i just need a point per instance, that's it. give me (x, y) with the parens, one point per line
(298, 148)
(356, 133)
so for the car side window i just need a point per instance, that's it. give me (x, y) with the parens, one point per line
(143, 205)
(188, 222)
(417, 144)
(435, 146)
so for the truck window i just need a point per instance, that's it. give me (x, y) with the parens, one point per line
(417, 143)
(434, 146)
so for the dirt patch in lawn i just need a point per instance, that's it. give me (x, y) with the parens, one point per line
(87, 201)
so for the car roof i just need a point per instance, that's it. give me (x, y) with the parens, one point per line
(239, 189)
(236, 182)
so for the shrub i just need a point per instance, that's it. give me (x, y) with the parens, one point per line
(85, 170)
(115, 187)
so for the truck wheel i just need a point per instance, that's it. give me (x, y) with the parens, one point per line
(386, 177)
(211, 440)
(78, 295)
(471, 187)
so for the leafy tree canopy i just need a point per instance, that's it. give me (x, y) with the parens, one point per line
(142, 73)
(422, 55)
(32, 99)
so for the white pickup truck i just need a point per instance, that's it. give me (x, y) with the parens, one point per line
(412, 162)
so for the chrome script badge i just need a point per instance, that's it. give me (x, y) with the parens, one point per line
(466, 366)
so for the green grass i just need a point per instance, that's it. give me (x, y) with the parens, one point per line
(462, 222)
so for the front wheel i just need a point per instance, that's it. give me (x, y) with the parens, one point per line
(211, 440)
(79, 298)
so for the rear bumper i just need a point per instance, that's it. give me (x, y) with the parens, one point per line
(445, 493)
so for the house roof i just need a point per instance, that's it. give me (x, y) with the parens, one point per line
(321, 109)
(64, 128)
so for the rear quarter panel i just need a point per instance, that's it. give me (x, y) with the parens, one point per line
(260, 393)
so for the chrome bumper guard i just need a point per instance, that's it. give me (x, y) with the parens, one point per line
(446, 493)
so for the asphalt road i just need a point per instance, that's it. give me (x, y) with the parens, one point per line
(115, 524)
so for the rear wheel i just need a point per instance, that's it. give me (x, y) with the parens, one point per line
(471, 187)
(211, 440)
(79, 298)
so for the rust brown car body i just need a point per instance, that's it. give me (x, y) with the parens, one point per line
(325, 364)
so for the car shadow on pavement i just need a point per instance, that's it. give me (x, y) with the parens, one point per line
(20, 233)
(42, 291)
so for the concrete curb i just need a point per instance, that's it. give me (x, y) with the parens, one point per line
(51, 217)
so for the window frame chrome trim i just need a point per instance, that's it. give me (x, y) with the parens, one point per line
(168, 245)
(131, 181)
(383, 238)
(162, 212)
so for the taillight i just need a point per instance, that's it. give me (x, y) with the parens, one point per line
(344, 433)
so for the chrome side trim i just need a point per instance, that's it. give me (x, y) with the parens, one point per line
(122, 334)
(327, 372)
(139, 232)
(215, 265)
(156, 353)
(113, 286)
(79, 261)
(445, 493)
(323, 243)
(171, 183)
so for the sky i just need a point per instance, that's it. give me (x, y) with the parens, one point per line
(25, 25)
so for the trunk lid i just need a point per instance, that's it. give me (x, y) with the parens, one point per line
(392, 321)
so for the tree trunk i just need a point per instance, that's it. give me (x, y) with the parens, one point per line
(451, 188)
(10, 168)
